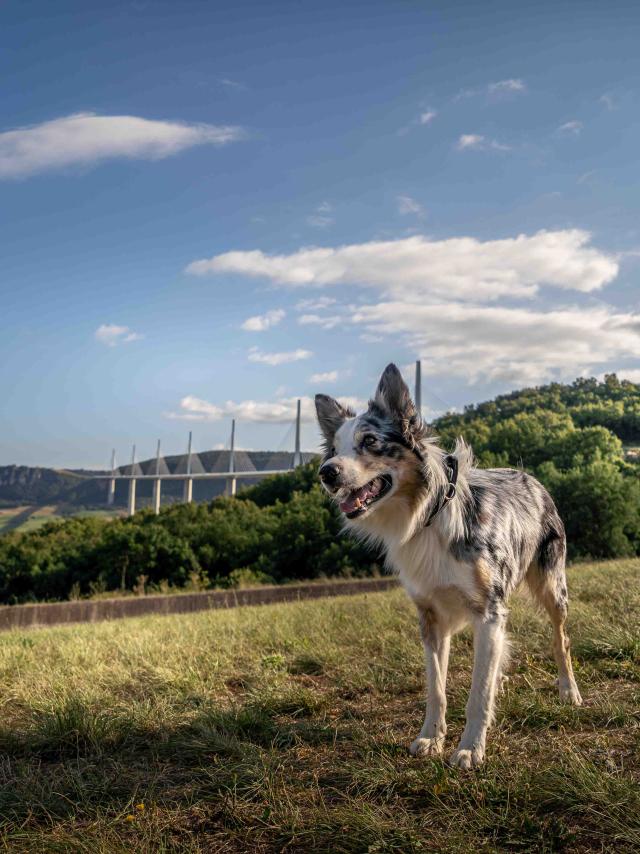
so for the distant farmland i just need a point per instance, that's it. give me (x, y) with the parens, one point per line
(31, 517)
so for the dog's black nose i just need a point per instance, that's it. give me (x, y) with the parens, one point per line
(329, 473)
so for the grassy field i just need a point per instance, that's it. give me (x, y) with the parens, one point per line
(285, 728)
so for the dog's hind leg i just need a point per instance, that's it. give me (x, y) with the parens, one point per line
(551, 593)
(436, 642)
(557, 611)
(547, 582)
(489, 646)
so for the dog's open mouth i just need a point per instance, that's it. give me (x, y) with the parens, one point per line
(359, 500)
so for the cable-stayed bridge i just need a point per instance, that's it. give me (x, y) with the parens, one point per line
(228, 465)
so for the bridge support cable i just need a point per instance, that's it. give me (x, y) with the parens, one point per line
(187, 495)
(232, 482)
(157, 483)
(297, 456)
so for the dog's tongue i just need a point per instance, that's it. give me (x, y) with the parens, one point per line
(358, 497)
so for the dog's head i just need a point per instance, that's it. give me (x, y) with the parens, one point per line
(375, 458)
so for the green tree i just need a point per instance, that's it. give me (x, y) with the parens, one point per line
(599, 506)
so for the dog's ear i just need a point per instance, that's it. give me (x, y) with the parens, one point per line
(394, 398)
(331, 415)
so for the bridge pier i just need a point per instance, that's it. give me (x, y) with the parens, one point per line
(111, 489)
(131, 502)
(187, 495)
(157, 493)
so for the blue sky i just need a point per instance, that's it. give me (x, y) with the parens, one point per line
(208, 210)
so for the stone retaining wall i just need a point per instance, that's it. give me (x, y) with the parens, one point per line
(94, 610)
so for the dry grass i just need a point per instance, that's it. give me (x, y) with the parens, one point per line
(284, 728)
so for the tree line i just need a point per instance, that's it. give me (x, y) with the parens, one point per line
(574, 438)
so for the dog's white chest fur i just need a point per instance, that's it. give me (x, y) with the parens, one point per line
(431, 575)
(427, 570)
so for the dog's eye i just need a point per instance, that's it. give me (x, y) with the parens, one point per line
(368, 441)
(332, 452)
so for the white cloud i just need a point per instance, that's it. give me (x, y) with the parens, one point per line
(84, 139)
(423, 118)
(470, 140)
(324, 321)
(507, 87)
(230, 83)
(501, 88)
(608, 101)
(326, 377)
(318, 221)
(279, 411)
(456, 268)
(275, 359)
(515, 345)
(260, 322)
(427, 117)
(432, 293)
(112, 335)
(321, 217)
(315, 304)
(477, 142)
(628, 253)
(407, 205)
(631, 374)
(572, 128)
(586, 176)
(467, 93)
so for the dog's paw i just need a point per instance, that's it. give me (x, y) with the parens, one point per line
(569, 694)
(466, 759)
(427, 746)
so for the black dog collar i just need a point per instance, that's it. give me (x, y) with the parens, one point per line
(451, 466)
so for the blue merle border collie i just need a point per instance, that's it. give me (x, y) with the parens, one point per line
(461, 540)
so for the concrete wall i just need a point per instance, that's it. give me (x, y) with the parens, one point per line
(94, 610)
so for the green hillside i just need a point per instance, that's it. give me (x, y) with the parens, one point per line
(516, 427)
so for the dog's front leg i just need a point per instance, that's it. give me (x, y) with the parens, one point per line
(489, 642)
(430, 741)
